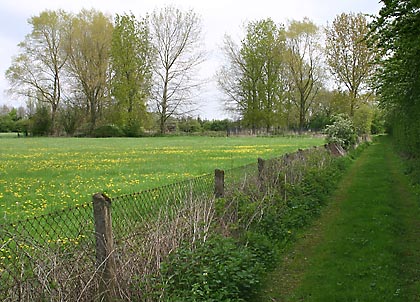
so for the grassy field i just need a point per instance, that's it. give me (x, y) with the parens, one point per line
(39, 175)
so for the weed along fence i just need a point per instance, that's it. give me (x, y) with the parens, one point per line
(106, 249)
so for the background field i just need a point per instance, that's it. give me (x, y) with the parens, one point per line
(39, 175)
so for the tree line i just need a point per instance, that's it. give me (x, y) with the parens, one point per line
(88, 69)
(277, 75)
(80, 72)
(396, 33)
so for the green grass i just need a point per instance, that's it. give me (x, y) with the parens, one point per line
(366, 246)
(39, 175)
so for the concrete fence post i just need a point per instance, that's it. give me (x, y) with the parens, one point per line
(219, 183)
(105, 261)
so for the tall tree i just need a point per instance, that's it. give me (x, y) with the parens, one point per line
(88, 50)
(305, 66)
(131, 58)
(263, 51)
(348, 55)
(253, 80)
(176, 38)
(37, 71)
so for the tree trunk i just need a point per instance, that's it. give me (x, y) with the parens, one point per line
(302, 114)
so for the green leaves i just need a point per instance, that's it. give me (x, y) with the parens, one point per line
(254, 81)
(131, 65)
(215, 270)
(348, 54)
(397, 33)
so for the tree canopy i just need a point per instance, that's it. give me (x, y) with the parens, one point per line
(348, 54)
(396, 32)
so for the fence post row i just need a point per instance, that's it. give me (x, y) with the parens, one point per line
(219, 183)
(105, 261)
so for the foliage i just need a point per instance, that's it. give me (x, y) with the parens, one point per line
(107, 131)
(304, 62)
(87, 48)
(131, 64)
(362, 120)
(273, 73)
(346, 44)
(7, 124)
(396, 31)
(319, 121)
(217, 125)
(341, 132)
(189, 125)
(261, 85)
(215, 270)
(41, 121)
(128, 70)
(378, 122)
(70, 118)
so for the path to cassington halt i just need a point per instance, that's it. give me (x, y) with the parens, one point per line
(365, 246)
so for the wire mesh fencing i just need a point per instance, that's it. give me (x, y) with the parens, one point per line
(50, 257)
(147, 226)
(58, 257)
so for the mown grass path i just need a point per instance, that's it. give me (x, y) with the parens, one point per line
(366, 245)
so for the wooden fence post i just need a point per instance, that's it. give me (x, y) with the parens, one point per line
(105, 261)
(261, 164)
(219, 183)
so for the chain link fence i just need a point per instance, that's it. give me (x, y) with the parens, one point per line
(50, 257)
(54, 257)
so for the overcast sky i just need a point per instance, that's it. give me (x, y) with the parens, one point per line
(219, 17)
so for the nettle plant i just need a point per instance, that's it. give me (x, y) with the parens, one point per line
(341, 131)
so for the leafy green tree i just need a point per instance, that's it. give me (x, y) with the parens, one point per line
(304, 65)
(176, 38)
(253, 80)
(396, 32)
(348, 55)
(37, 71)
(131, 61)
(6, 123)
(88, 47)
(262, 51)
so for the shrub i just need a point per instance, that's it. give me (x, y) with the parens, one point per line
(216, 270)
(341, 132)
(41, 122)
(108, 131)
(133, 128)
